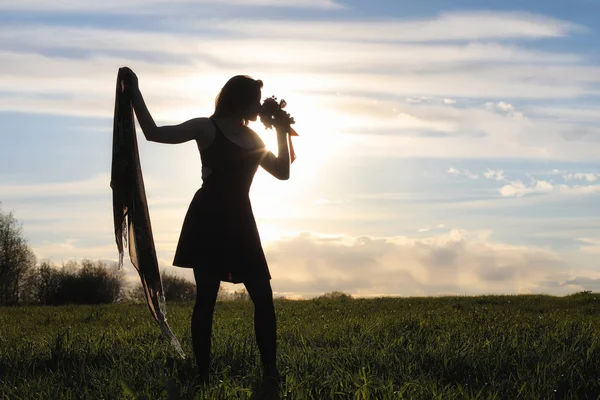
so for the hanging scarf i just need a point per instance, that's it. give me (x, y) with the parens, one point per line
(130, 209)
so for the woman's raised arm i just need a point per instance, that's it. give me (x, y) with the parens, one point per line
(170, 134)
(279, 166)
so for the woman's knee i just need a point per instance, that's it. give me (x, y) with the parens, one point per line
(207, 289)
(260, 291)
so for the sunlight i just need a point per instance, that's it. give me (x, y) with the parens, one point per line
(318, 144)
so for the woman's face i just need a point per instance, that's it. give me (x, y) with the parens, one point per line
(254, 108)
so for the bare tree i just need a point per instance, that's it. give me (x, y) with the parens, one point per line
(48, 283)
(16, 261)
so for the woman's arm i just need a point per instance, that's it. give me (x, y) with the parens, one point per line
(170, 134)
(162, 134)
(279, 166)
(141, 112)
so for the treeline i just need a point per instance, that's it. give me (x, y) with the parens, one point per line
(98, 282)
(23, 281)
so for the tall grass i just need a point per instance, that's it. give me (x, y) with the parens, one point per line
(504, 347)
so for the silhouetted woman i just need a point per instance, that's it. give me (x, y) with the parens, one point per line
(219, 238)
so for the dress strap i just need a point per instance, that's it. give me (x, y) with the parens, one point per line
(217, 129)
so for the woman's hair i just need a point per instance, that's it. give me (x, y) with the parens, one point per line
(237, 97)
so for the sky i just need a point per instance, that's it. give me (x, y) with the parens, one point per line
(445, 148)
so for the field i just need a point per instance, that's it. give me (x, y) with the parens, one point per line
(504, 347)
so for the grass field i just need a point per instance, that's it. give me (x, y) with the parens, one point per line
(504, 347)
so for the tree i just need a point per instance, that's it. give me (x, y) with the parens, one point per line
(48, 283)
(16, 261)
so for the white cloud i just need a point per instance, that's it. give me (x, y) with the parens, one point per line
(519, 189)
(293, 54)
(466, 173)
(592, 241)
(579, 189)
(477, 133)
(161, 6)
(406, 121)
(589, 176)
(583, 112)
(89, 187)
(505, 108)
(571, 176)
(93, 186)
(496, 175)
(590, 245)
(430, 228)
(72, 249)
(456, 262)
(470, 175)
(468, 26)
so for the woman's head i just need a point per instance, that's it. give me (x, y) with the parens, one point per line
(239, 98)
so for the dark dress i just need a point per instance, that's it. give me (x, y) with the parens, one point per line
(219, 236)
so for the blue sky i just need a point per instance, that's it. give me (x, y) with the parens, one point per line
(447, 147)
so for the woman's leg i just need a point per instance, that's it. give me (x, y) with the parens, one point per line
(265, 324)
(202, 316)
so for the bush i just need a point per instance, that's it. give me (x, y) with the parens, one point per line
(178, 288)
(336, 295)
(90, 283)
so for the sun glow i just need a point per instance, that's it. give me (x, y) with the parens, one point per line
(319, 142)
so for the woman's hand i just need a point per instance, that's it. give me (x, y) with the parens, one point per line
(282, 121)
(129, 86)
(131, 81)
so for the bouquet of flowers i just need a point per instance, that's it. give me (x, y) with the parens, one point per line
(272, 114)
